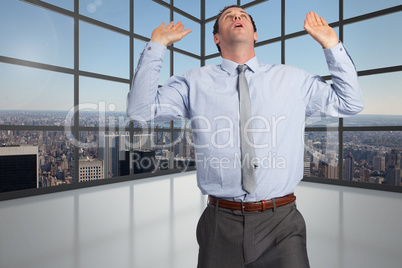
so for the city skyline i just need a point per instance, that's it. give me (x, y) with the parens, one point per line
(56, 152)
(120, 119)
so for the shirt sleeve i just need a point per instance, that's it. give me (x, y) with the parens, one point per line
(343, 97)
(146, 101)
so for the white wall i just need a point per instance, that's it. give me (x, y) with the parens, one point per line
(151, 223)
(351, 227)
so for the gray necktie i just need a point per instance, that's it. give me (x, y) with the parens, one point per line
(247, 145)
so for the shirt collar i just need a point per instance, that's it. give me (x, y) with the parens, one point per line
(231, 67)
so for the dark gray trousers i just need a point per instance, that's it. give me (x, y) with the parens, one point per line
(273, 238)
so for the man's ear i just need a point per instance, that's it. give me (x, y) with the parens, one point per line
(255, 37)
(216, 39)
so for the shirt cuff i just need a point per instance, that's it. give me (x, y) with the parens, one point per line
(155, 49)
(337, 53)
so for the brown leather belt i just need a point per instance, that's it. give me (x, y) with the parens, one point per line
(253, 206)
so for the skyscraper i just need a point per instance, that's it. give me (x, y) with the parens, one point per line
(395, 158)
(142, 141)
(349, 167)
(379, 163)
(18, 167)
(124, 163)
(332, 169)
(393, 171)
(90, 169)
(143, 161)
(393, 175)
(109, 148)
(306, 169)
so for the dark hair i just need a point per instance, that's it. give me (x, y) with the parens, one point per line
(216, 25)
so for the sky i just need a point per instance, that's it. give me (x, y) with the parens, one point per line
(35, 34)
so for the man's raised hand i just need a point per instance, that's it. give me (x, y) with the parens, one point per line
(169, 34)
(319, 29)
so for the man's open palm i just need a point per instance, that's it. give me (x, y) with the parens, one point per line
(319, 29)
(169, 34)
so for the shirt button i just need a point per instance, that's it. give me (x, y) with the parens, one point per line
(149, 48)
(341, 49)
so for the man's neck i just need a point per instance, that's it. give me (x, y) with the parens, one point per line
(238, 55)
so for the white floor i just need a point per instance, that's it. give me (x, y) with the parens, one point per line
(151, 223)
(145, 223)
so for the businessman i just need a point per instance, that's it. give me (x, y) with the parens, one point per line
(247, 122)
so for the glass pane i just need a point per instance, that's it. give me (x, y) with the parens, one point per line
(373, 120)
(192, 42)
(114, 150)
(44, 92)
(145, 140)
(354, 8)
(102, 154)
(304, 52)
(32, 118)
(152, 152)
(269, 54)
(373, 157)
(111, 12)
(210, 47)
(368, 52)
(183, 63)
(212, 7)
(67, 4)
(381, 95)
(36, 34)
(192, 7)
(103, 51)
(144, 20)
(88, 142)
(296, 12)
(103, 103)
(90, 166)
(34, 159)
(267, 18)
(321, 155)
(214, 61)
(107, 155)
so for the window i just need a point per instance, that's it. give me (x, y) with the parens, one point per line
(366, 143)
(73, 65)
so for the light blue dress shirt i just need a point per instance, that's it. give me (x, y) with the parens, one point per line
(281, 97)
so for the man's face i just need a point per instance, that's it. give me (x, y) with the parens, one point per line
(235, 26)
